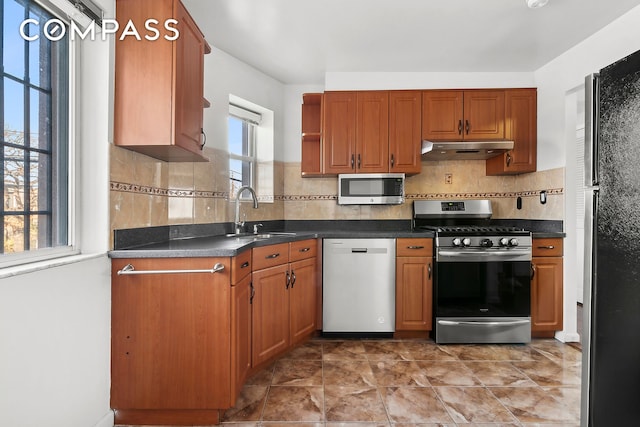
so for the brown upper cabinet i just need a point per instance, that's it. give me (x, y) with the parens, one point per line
(405, 127)
(356, 132)
(521, 128)
(454, 115)
(363, 132)
(159, 85)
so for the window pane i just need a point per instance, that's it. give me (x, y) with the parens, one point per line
(40, 232)
(39, 53)
(14, 179)
(39, 120)
(13, 112)
(235, 170)
(235, 136)
(13, 234)
(39, 187)
(13, 44)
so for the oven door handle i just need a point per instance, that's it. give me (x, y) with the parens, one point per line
(482, 323)
(523, 254)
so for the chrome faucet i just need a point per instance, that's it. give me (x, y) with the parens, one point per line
(239, 225)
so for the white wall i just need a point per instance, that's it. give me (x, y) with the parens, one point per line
(55, 322)
(424, 80)
(293, 119)
(225, 75)
(556, 83)
(55, 333)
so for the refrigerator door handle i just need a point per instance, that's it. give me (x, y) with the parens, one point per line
(591, 129)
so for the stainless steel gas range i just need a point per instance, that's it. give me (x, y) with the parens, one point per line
(482, 275)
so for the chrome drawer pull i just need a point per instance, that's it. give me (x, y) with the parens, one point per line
(272, 256)
(546, 247)
(130, 270)
(304, 250)
(245, 264)
(415, 247)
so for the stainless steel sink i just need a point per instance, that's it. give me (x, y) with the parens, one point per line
(259, 236)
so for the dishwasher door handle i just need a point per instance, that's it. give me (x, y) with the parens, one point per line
(359, 250)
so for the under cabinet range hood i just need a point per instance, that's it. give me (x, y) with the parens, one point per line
(464, 150)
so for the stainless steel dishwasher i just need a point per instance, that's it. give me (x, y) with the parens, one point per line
(358, 287)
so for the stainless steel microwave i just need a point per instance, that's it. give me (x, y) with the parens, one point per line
(371, 189)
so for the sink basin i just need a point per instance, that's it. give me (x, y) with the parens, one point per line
(259, 236)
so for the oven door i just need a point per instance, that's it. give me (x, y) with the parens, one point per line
(479, 297)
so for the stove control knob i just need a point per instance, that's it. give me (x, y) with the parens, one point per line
(457, 241)
(466, 241)
(513, 242)
(486, 243)
(504, 242)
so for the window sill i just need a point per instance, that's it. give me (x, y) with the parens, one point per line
(43, 265)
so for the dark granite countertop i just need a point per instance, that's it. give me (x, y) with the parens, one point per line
(210, 240)
(223, 246)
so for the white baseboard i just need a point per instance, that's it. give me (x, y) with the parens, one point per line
(567, 337)
(107, 421)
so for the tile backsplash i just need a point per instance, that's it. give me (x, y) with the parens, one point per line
(148, 192)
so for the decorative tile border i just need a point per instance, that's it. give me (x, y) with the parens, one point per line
(505, 195)
(155, 191)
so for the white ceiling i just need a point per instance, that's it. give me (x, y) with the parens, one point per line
(297, 41)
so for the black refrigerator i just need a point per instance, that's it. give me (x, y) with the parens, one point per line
(611, 327)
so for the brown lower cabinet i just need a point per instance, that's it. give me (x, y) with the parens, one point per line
(175, 339)
(547, 287)
(284, 304)
(184, 342)
(414, 283)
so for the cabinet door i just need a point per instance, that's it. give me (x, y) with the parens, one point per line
(372, 132)
(189, 82)
(521, 127)
(302, 299)
(240, 334)
(442, 116)
(170, 344)
(546, 294)
(405, 115)
(413, 293)
(339, 132)
(270, 320)
(483, 114)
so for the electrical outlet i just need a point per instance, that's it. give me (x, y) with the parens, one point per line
(448, 178)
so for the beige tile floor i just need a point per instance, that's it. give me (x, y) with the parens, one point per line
(359, 383)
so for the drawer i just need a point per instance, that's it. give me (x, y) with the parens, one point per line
(270, 256)
(240, 266)
(414, 247)
(547, 247)
(303, 249)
